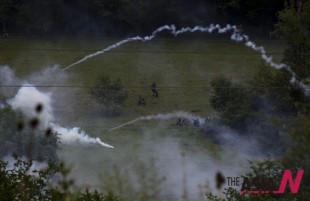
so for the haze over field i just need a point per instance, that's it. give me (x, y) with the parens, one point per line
(153, 100)
(175, 153)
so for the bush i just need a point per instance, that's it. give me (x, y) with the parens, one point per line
(232, 102)
(110, 94)
(22, 183)
(19, 183)
(96, 196)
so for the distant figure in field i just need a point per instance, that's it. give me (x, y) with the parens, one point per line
(179, 122)
(5, 33)
(196, 122)
(154, 91)
(207, 119)
(185, 122)
(182, 122)
(240, 28)
(141, 101)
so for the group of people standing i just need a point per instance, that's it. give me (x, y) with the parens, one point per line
(186, 122)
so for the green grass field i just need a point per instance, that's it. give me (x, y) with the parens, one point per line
(182, 68)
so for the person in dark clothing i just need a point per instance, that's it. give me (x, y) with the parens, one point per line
(185, 122)
(179, 122)
(196, 122)
(141, 101)
(154, 90)
(154, 85)
(5, 33)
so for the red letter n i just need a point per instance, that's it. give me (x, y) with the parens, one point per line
(287, 177)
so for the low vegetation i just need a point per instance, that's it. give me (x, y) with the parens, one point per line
(110, 94)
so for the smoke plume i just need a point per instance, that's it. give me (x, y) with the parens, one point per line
(28, 97)
(73, 135)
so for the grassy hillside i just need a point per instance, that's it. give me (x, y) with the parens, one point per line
(182, 68)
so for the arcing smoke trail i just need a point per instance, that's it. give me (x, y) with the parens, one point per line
(236, 36)
(167, 116)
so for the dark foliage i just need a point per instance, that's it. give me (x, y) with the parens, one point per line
(22, 182)
(294, 26)
(232, 102)
(96, 196)
(17, 136)
(110, 94)
(115, 17)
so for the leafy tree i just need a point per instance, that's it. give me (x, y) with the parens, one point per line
(20, 183)
(259, 107)
(232, 102)
(274, 94)
(110, 94)
(23, 184)
(294, 26)
(299, 153)
(96, 196)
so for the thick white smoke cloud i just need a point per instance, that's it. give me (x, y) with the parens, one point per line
(28, 97)
(195, 168)
(26, 100)
(74, 135)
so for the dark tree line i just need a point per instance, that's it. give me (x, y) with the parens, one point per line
(257, 12)
(123, 17)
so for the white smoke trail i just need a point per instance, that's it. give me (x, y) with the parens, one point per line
(235, 36)
(167, 116)
(74, 135)
(26, 100)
